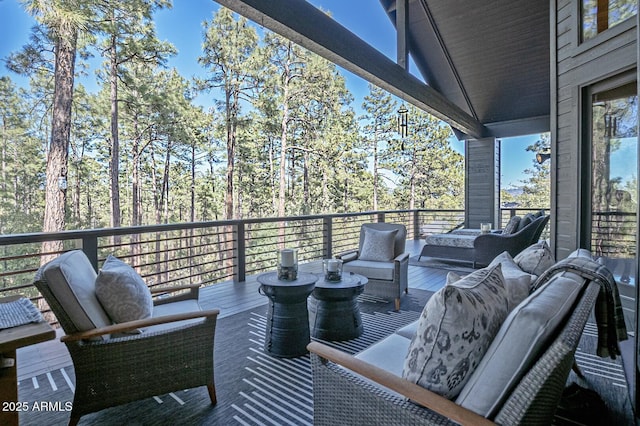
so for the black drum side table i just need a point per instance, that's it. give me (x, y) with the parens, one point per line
(333, 308)
(287, 331)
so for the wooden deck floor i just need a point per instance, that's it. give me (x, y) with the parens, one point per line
(229, 297)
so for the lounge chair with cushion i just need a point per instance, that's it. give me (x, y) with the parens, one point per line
(381, 257)
(481, 249)
(117, 358)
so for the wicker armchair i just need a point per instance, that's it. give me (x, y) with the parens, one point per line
(347, 390)
(387, 279)
(172, 351)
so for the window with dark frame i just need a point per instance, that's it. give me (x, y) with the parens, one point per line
(600, 15)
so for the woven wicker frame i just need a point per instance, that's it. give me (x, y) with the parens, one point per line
(124, 369)
(342, 397)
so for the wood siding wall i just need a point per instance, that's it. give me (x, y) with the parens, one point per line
(574, 67)
(482, 184)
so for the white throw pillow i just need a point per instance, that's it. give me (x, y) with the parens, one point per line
(536, 258)
(524, 334)
(517, 282)
(122, 292)
(454, 330)
(378, 245)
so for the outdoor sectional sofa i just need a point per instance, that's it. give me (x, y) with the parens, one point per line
(518, 379)
(481, 249)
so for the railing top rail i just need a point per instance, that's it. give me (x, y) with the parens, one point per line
(39, 237)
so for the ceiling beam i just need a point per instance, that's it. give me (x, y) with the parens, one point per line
(402, 30)
(304, 24)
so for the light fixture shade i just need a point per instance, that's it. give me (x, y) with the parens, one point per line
(403, 121)
(541, 157)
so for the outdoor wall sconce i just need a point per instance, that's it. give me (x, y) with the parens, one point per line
(541, 157)
(403, 121)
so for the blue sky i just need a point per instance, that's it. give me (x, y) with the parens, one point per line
(182, 26)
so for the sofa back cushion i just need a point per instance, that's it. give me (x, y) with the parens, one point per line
(524, 335)
(454, 330)
(71, 278)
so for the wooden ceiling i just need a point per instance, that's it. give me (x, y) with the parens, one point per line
(486, 64)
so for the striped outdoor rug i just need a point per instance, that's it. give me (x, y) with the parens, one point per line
(257, 389)
(282, 391)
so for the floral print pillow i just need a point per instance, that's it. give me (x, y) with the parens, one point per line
(454, 331)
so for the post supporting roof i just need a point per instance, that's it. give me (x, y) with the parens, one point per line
(304, 24)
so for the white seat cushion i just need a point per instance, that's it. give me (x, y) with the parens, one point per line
(180, 307)
(408, 330)
(370, 269)
(388, 354)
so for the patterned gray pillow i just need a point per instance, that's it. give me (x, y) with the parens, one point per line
(122, 292)
(536, 258)
(511, 226)
(455, 329)
(378, 245)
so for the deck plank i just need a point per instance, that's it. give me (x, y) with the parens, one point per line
(230, 297)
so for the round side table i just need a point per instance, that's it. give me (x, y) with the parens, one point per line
(333, 308)
(287, 331)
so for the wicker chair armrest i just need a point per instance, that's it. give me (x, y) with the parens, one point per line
(410, 390)
(348, 256)
(132, 325)
(402, 257)
(164, 295)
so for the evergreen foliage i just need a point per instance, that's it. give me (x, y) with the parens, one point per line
(283, 139)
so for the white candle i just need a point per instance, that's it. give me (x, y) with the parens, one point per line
(286, 258)
(332, 265)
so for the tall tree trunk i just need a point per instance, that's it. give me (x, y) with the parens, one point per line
(282, 188)
(135, 177)
(55, 197)
(305, 184)
(114, 164)
(230, 101)
(412, 183)
(375, 168)
(135, 191)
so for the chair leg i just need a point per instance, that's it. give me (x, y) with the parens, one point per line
(397, 304)
(74, 419)
(212, 394)
(576, 369)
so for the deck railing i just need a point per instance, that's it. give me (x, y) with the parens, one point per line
(207, 252)
(211, 252)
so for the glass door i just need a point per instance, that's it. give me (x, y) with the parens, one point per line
(614, 180)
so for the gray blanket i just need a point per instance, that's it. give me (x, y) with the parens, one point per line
(608, 310)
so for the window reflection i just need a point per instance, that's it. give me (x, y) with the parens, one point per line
(599, 15)
(614, 179)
